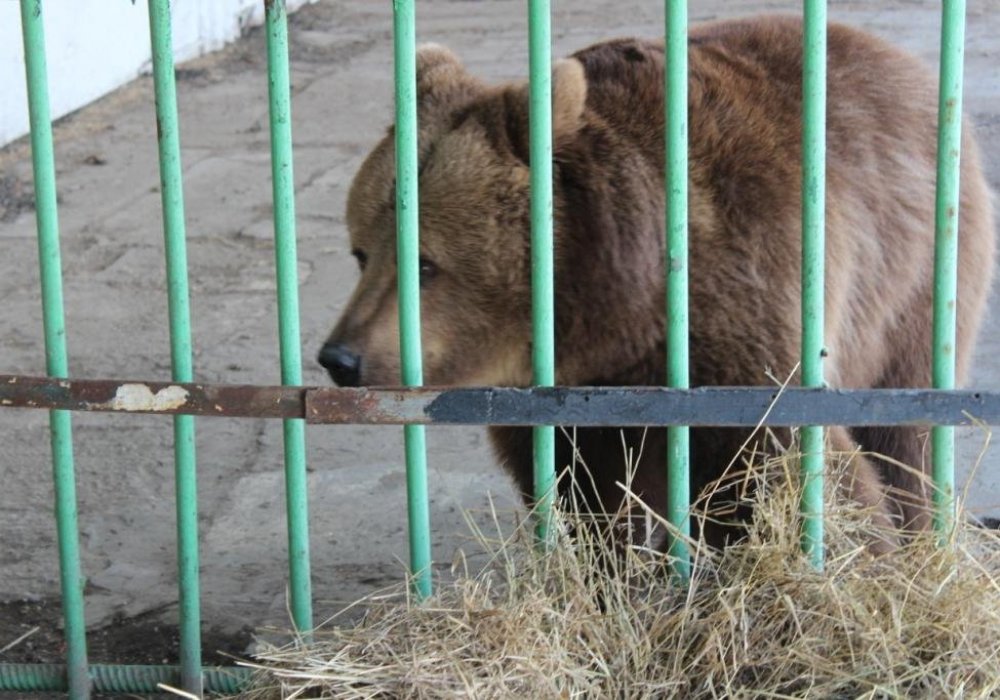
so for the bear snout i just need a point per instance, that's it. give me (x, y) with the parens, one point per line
(343, 364)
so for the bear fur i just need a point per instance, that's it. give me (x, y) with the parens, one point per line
(745, 103)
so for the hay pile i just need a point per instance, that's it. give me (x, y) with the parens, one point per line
(756, 621)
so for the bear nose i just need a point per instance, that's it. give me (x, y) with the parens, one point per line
(344, 366)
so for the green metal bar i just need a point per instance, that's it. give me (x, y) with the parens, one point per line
(185, 464)
(676, 178)
(408, 254)
(123, 679)
(60, 426)
(946, 252)
(813, 249)
(542, 270)
(286, 264)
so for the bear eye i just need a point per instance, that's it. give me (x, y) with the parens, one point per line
(361, 257)
(427, 271)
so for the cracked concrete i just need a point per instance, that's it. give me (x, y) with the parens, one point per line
(117, 316)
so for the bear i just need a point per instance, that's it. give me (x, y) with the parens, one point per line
(745, 102)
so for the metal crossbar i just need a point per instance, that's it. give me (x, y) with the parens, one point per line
(581, 406)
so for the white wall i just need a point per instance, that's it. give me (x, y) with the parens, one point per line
(94, 46)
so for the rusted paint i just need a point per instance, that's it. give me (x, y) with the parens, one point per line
(386, 406)
(120, 396)
(582, 406)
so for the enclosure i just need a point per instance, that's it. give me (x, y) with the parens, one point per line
(116, 320)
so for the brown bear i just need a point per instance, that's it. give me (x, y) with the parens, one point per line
(745, 101)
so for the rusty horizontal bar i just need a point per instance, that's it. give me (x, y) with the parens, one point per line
(175, 398)
(637, 406)
(586, 406)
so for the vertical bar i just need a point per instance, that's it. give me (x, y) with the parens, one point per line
(813, 249)
(408, 254)
(60, 426)
(946, 252)
(676, 177)
(185, 465)
(286, 265)
(542, 270)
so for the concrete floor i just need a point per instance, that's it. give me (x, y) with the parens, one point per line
(116, 307)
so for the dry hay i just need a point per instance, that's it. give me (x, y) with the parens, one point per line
(756, 621)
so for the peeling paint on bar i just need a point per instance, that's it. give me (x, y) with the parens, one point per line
(139, 397)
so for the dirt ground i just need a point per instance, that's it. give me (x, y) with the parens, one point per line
(116, 322)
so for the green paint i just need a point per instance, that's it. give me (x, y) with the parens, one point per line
(813, 249)
(408, 254)
(118, 678)
(60, 427)
(676, 177)
(185, 465)
(542, 271)
(946, 252)
(286, 264)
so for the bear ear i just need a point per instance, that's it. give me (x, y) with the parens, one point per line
(442, 81)
(569, 98)
(434, 62)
